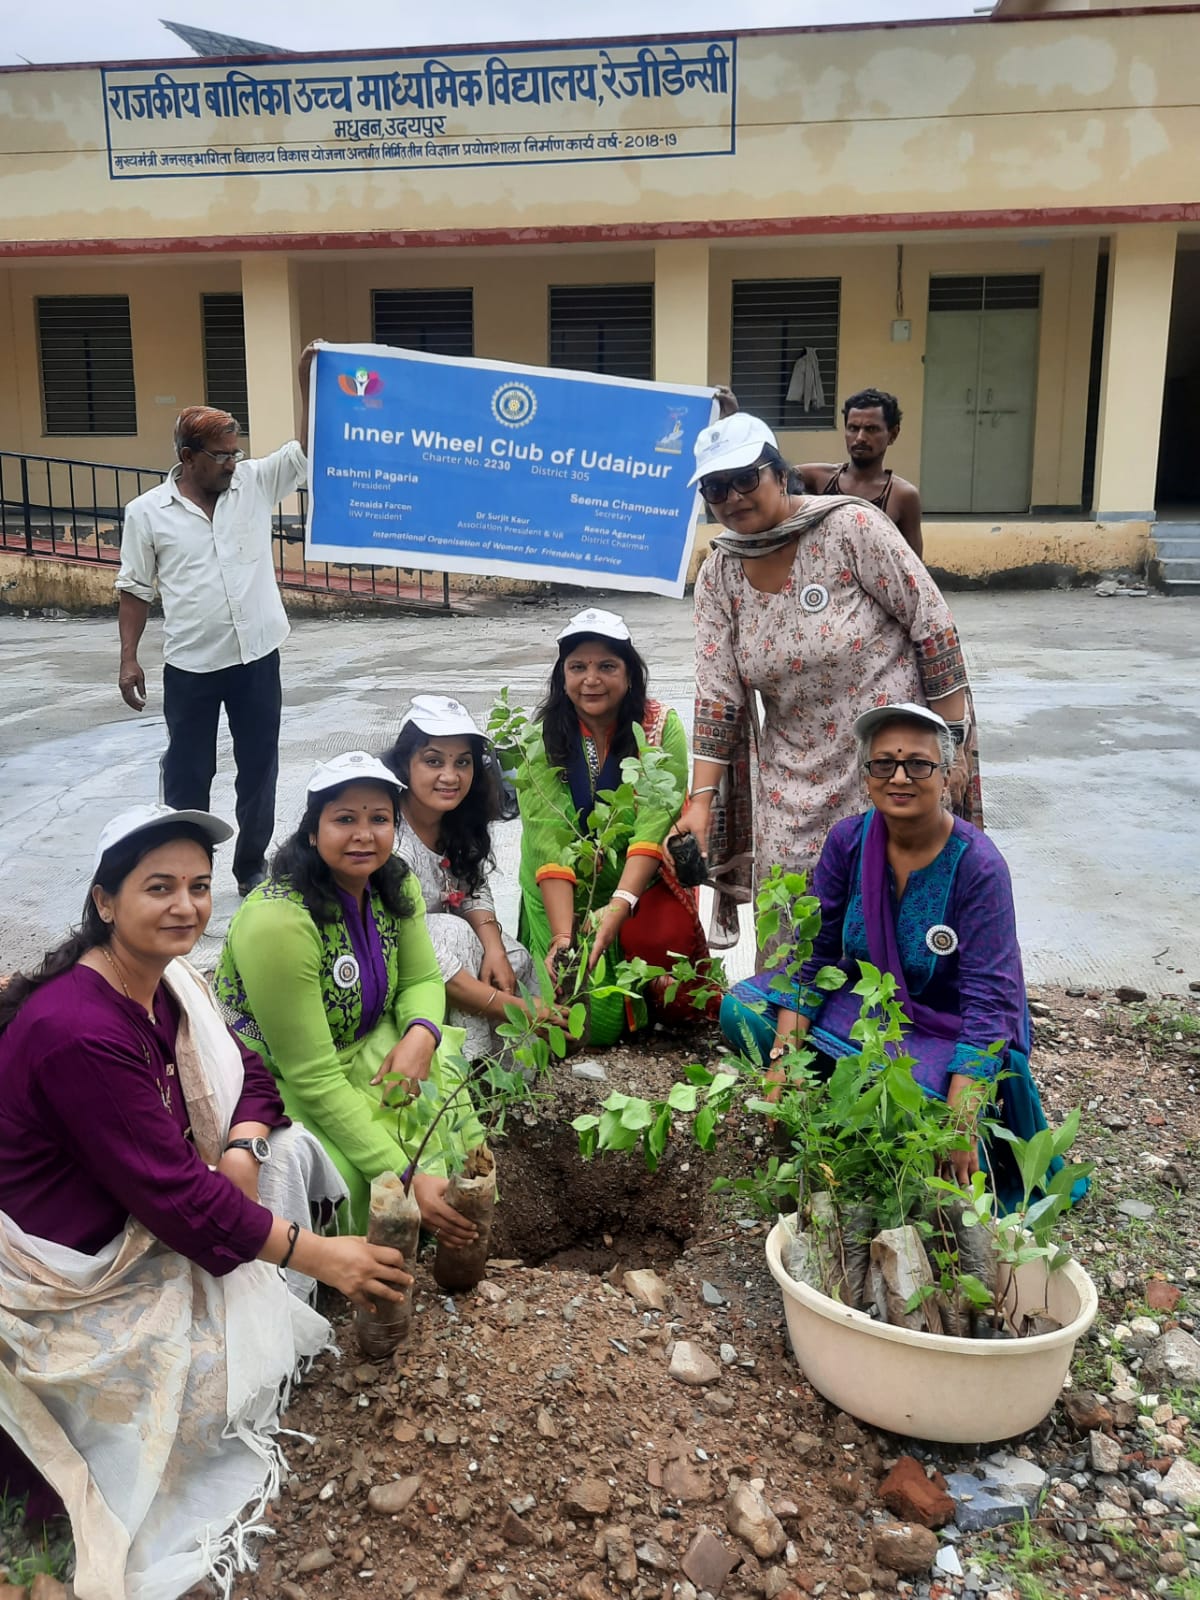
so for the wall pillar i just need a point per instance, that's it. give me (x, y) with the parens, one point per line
(271, 305)
(681, 312)
(1141, 274)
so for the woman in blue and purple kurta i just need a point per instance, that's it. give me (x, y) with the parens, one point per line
(927, 897)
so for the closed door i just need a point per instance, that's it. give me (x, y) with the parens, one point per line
(980, 392)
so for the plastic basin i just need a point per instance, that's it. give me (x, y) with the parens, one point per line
(929, 1385)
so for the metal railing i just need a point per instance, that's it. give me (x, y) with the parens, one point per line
(58, 509)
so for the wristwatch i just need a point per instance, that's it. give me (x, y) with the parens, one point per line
(258, 1148)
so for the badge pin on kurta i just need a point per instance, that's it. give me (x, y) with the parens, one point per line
(814, 597)
(942, 940)
(345, 972)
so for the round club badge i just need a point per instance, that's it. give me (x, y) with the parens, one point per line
(943, 941)
(345, 972)
(514, 404)
(814, 597)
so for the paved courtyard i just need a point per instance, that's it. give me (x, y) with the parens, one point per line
(1090, 731)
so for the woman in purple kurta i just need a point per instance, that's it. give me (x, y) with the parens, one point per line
(133, 1126)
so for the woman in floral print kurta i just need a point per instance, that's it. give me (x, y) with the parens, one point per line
(818, 604)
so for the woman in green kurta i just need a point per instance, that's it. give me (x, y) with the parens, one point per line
(329, 973)
(596, 696)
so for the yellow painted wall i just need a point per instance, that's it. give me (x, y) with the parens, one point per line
(1070, 111)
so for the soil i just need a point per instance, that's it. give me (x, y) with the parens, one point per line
(537, 1445)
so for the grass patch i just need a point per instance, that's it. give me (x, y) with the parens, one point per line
(26, 1552)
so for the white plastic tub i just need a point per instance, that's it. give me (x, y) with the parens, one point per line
(932, 1386)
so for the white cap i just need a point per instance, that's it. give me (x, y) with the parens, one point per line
(138, 818)
(352, 766)
(905, 711)
(439, 716)
(734, 442)
(604, 624)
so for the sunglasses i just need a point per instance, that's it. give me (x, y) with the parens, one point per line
(714, 491)
(915, 767)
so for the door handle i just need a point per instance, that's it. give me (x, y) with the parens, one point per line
(989, 397)
(970, 397)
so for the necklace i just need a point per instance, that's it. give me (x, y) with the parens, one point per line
(164, 1089)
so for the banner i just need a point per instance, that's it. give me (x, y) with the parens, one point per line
(483, 467)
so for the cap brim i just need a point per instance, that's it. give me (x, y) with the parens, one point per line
(742, 455)
(877, 718)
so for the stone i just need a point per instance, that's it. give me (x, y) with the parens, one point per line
(316, 1561)
(854, 1580)
(728, 1355)
(1086, 1411)
(806, 1445)
(1173, 1361)
(1003, 1470)
(749, 1518)
(515, 1531)
(1144, 1328)
(718, 1403)
(711, 1295)
(647, 1288)
(905, 1547)
(1129, 996)
(911, 1496)
(1172, 1562)
(1109, 1513)
(686, 1480)
(947, 1561)
(591, 1587)
(456, 1572)
(1104, 1453)
(546, 1426)
(389, 1498)
(590, 1071)
(1138, 1209)
(1106, 588)
(1181, 1486)
(289, 1591)
(619, 1553)
(690, 1365)
(590, 1497)
(707, 1562)
(651, 1554)
(978, 1507)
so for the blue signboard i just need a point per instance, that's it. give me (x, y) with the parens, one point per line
(484, 467)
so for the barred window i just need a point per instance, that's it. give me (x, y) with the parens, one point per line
(225, 387)
(603, 327)
(441, 321)
(1005, 291)
(784, 364)
(86, 350)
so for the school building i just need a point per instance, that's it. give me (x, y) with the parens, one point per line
(997, 219)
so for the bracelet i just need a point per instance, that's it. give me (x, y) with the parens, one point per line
(489, 922)
(424, 1022)
(627, 895)
(958, 731)
(487, 1004)
(293, 1235)
(709, 788)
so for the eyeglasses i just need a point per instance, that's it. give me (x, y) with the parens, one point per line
(714, 491)
(915, 767)
(223, 456)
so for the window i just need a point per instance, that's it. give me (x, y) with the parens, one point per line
(441, 321)
(87, 364)
(785, 350)
(603, 327)
(1013, 291)
(225, 357)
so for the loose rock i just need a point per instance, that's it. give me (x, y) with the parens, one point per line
(690, 1365)
(905, 1547)
(1173, 1361)
(910, 1495)
(590, 1497)
(751, 1519)
(389, 1498)
(647, 1288)
(707, 1562)
(316, 1560)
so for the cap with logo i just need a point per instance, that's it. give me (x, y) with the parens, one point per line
(352, 766)
(734, 442)
(601, 624)
(439, 716)
(139, 819)
(903, 711)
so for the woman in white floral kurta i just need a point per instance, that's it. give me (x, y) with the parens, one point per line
(818, 604)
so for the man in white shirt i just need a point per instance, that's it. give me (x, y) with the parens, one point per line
(202, 541)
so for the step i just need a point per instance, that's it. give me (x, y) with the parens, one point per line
(1166, 546)
(1182, 570)
(1181, 588)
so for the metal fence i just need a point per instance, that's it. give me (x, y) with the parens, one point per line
(57, 509)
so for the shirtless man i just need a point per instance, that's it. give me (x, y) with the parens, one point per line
(872, 422)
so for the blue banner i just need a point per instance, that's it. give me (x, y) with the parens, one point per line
(488, 468)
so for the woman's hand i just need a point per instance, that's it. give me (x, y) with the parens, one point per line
(606, 926)
(958, 779)
(441, 1219)
(727, 401)
(695, 818)
(496, 970)
(365, 1273)
(406, 1064)
(963, 1094)
(560, 946)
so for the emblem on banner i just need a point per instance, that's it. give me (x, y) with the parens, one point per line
(671, 443)
(363, 384)
(345, 972)
(514, 404)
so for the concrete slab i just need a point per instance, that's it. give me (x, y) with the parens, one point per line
(1090, 726)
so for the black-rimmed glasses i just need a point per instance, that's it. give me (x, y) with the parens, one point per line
(917, 768)
(222, 456)
(714, 491)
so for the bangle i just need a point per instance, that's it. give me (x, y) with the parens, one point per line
(489, 922)
(487, 1004)
(424, 1022)
(709, 788)
(958, 731)
(627, 895)
(293, 1235)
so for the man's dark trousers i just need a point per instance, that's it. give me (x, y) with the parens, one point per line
(252, 699)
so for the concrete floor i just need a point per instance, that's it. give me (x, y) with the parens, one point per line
(1089, 712)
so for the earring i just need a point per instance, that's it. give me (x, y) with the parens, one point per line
(312, 839)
